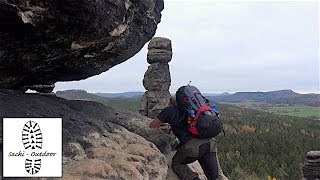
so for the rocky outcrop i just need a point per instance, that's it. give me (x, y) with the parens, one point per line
(116, 153)
(311, 168)
(43, 42)
(157, 78)
(98, 142)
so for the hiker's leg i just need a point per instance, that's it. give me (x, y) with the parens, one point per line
(209, 165)
(208, 160)
(180, 167)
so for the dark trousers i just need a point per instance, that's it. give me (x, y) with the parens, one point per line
(203, 150)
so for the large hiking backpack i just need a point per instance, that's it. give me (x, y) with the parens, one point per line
(203, 121)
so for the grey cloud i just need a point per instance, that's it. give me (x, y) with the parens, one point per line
(239, 46)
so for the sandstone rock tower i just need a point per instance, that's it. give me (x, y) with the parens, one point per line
(157, 79)
(311, 168)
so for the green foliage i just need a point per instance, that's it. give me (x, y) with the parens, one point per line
(277, 147)
(300, 111)
(129, 104)
(284, 109)
(238, 173)
(281, 172)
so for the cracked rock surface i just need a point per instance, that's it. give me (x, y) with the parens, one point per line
(98, 142)
(157, 78)
(45, 41)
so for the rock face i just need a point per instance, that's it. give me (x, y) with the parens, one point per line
(311, 168)
(160, 50)
(116, 153)
(43, 42)
(157, 78)
(98, 142)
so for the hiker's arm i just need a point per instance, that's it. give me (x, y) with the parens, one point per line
(155, 123)
(163, 117)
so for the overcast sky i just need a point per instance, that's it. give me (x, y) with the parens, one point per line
(228, 47)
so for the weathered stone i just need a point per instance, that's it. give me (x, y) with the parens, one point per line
(88, 169)
(159, 50)
(157, 77)
(72, 94)
(98, 142)
(74, 151)
(124, 153)
(160, 43)
(311, 168)
(152, 102)
(159, 55)
(143, 110)
(43, 42)
(41, 88)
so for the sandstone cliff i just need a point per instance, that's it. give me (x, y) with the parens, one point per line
(98, 142)
(43, 42)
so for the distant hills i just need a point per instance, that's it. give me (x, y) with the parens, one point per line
(216, 94)
(124, 94)
(139, 94)
(274, 97)
(124, 103)
(75, 94)
(267, 143)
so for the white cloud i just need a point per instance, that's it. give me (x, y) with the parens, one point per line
(229, 46)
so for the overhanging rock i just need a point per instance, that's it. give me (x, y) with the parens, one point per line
(43, 42)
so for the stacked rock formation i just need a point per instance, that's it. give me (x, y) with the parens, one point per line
(157, 78)
(311, 168)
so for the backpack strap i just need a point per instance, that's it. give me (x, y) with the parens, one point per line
(201, 109)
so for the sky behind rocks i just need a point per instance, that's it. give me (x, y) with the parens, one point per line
(228, 47)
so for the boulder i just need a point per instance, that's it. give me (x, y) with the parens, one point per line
(160, 50)
(160, 43)
(98, 142)
(157, 77)
(152, 102)
(43, 42)
(159, 55)
(41, 88)
(116, 154)
(311, 168)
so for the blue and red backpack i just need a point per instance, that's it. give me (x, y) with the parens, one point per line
(203, 121)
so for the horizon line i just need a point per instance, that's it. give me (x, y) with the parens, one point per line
(219, 92)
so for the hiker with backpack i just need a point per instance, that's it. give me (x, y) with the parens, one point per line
(195, 124)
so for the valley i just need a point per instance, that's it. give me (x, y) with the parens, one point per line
(257, 143)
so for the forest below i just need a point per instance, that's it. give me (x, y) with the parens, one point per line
(257, 144)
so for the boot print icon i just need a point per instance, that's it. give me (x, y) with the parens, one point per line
(32, 139)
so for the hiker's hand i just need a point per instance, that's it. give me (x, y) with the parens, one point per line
(155, 123)
(165, 127)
